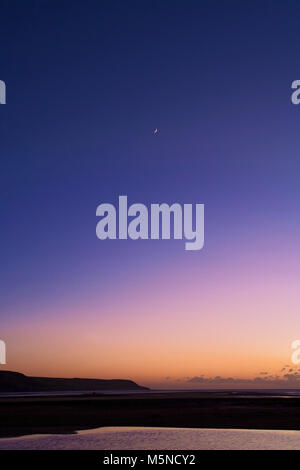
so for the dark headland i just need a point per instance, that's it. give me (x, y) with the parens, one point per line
(13, 382)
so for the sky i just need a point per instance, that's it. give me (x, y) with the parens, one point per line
(87, 84)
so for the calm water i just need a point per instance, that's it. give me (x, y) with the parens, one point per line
(267, 392)
(158, 438)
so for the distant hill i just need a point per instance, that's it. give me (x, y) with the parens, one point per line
(16, 382)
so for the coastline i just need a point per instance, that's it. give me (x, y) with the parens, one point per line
(20, 416)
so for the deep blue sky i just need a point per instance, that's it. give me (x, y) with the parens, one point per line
(88, 81)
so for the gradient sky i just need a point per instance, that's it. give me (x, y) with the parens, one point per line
(87, 82)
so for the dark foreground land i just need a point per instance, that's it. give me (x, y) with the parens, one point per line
(31, 415)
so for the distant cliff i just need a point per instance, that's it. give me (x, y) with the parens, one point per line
(16, 382)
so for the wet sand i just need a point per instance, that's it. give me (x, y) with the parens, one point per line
(226, 410)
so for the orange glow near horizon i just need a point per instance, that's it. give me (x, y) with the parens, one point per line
(232, 327)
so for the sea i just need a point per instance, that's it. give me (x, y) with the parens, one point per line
(155, 438)
(268, 392)
(139, 438)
